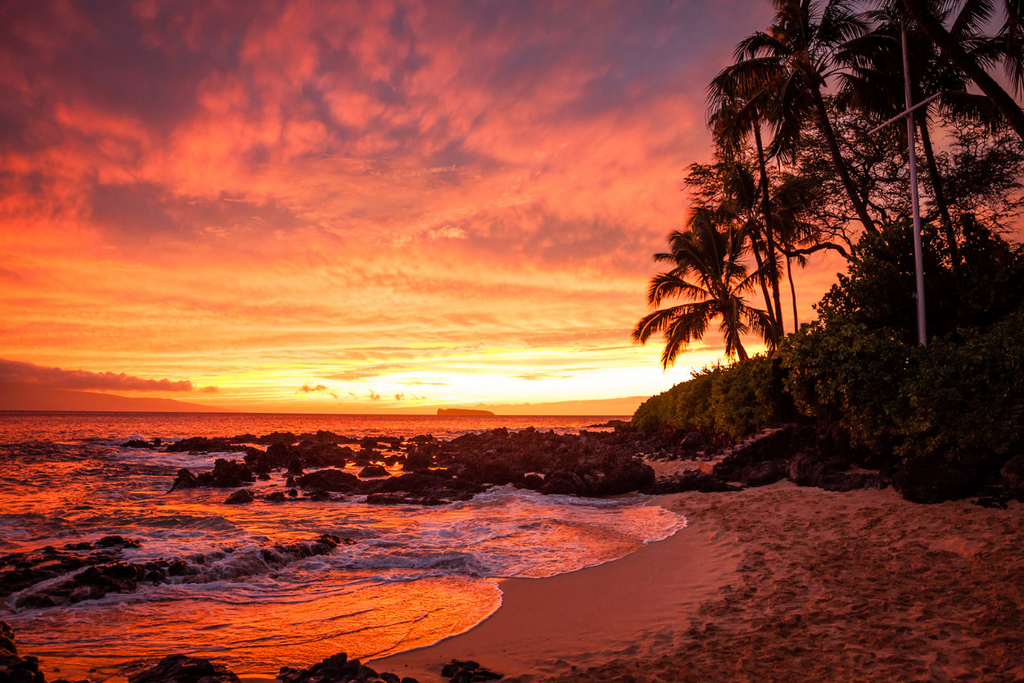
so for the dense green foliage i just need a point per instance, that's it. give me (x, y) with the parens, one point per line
(856, 371)
(735, 400)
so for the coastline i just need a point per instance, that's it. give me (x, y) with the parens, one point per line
(634, 606)
(774, 583)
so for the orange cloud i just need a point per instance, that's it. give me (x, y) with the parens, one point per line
(321, 194)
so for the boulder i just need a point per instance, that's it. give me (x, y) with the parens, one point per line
(226, 474)
(769, 446)
(460, 671)
(12, 667)
(118, 542)
(766, 472)
(184, 669)
(806, 468)
(328, 480)
(240, 497)
(420, 488)
(338, 669)
(184, 480)
(1013, 475)
(372, 471)
(563, 483)
(931, 479)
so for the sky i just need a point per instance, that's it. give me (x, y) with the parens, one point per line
(350, 207)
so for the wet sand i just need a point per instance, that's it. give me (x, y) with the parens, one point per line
(773, 584)
(638, 606)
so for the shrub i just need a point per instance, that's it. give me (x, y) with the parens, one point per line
(736, 400)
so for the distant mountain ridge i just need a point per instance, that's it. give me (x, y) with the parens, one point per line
(20, 397)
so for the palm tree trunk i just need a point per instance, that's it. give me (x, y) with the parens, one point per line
(756, 248)
(952, 50)
(766, 213)
(837, 160)
(937, 191)
(792, 291)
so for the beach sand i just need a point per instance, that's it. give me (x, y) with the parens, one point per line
(773, 584)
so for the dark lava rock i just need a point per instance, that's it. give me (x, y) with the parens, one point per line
(319, 496)
(139, 443)
(287, 438)
(90, 584)
(226, 474)
(117, 542)
(185, 480)
(418, 458)
(240, 497)
(468, 672)
(7, 645)
(807, 468)
(337, 669)
(933, 480)
(1013, 475)
(693, 480)
(184, 669)
(766, 472)
(328, 480)
(420, 488)
(564, 483)
(276, 497)
(770, 446)
(12, 667)
(533, 481)
(372, 471)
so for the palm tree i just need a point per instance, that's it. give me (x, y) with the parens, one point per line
(973, 15)
(734, 117)
(793, 60)
(873, 84)
(710, 278)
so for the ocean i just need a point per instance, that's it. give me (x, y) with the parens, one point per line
(251, 593)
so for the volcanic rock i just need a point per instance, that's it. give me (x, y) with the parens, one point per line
(337, 669)
(184, 669)
(468, 672)
(328, 480)
(1013, 475)
(240, 497)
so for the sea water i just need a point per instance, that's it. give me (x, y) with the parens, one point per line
(411, 576)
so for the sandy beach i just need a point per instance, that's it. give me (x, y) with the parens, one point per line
(778, 583)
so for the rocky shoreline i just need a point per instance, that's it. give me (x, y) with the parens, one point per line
(426, 471)
(179, 668)
(595, 464)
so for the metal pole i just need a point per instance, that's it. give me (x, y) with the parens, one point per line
(922, 334)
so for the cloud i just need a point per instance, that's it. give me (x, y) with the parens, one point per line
(365, 372)
(310, 388)
(27, 374)
(374, 396)
(399, 397)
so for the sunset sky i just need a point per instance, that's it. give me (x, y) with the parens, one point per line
(350, 207)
